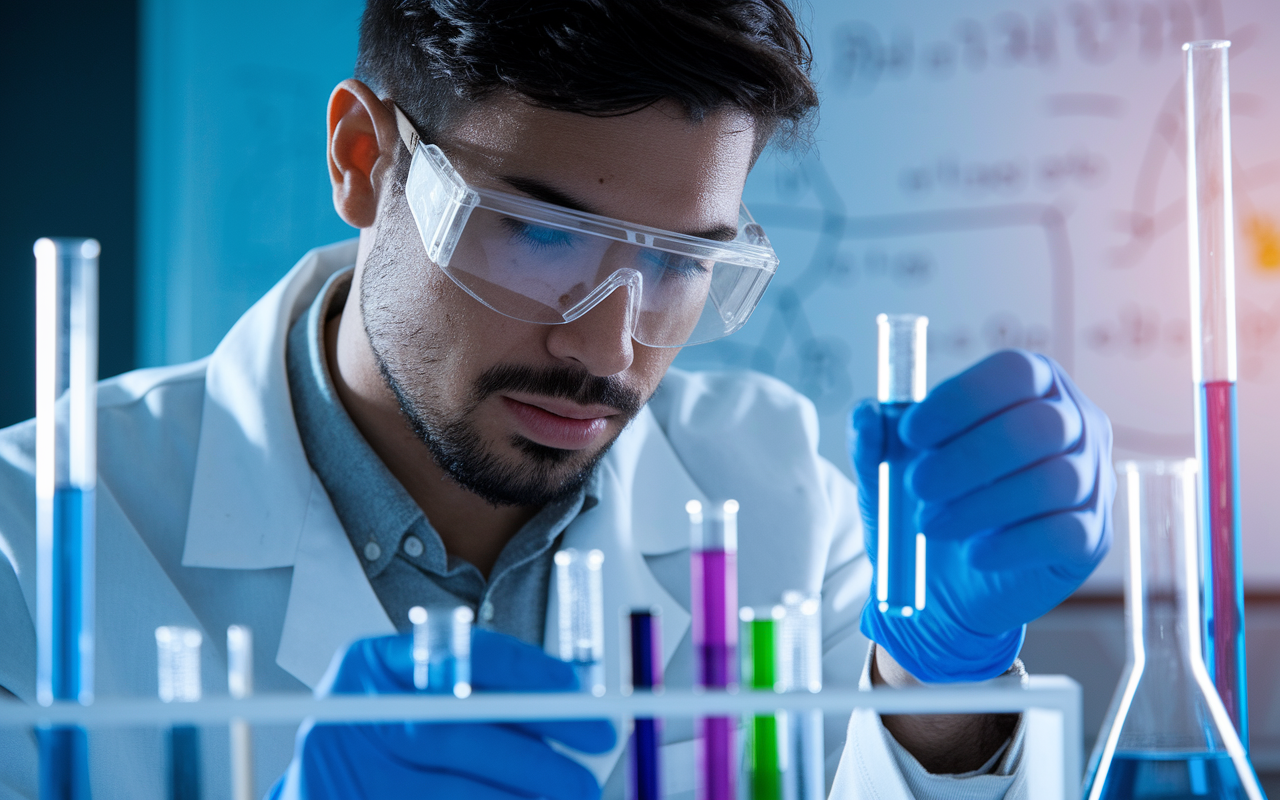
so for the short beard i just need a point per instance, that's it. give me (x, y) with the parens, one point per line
(544, 474)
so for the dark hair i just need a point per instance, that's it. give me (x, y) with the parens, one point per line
(595, 57)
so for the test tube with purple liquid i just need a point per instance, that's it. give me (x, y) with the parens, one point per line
(714, 594)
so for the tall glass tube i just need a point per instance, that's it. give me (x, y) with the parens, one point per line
(1167, 735)
(767, 751)
(900, 547)
(240, 687)
(442, 649)
(66, 475)
(714, 596)
(646, 676)
(580, 594)
(178, 671)
(1211, 244)
(800, 670)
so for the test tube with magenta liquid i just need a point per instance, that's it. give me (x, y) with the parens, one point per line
(900, 546)
(714, 597)
(580, 595)
(1211, 244)
(66, 476)
(646, 676)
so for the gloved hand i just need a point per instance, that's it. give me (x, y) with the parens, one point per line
(477, 761)
(1014, 478)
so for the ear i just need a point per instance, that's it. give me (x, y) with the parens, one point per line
(362, 147)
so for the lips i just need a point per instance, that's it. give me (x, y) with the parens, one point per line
(554, 423)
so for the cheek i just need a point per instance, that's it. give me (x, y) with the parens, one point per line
(649, 365)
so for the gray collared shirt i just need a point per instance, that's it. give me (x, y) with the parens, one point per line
(403, 556)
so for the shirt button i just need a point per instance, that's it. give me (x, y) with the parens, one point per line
(372, 551)
(486, 611)
(413, 546)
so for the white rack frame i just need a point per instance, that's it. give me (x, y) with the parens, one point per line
(1054, 693)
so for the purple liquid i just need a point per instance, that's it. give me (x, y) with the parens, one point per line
(1172, 776)
(714, 585)
(1223, 584)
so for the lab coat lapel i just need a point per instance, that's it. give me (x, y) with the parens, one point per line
(642, 489)
(252, 483)
(331, 603)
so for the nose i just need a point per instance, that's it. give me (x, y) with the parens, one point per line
(600, 340)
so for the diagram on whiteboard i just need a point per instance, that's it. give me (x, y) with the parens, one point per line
(1017, 174)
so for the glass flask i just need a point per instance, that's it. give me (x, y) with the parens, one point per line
(1167, 735)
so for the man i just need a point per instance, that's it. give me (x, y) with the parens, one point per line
(548, 198)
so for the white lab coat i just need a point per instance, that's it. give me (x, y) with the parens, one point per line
(209, 514)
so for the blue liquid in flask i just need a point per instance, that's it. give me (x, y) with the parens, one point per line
(1172, 776)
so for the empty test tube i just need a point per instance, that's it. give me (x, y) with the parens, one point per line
(240, 687)
(442, 649)
(646, 675)
(66, 476)
(768, 750)
(900, 546)
(580, 595)
(800, 670)
(714, 597)
(178, 657)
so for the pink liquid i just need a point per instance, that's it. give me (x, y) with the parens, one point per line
(1224, 589)
(714, 585)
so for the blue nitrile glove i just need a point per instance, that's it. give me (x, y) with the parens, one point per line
(477, 761)
(1013, 473)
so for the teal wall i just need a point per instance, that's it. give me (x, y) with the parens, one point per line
(234, 187)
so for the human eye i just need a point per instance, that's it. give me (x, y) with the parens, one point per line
(679, 266)
(538, 237)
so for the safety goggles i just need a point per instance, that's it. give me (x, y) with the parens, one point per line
(542, 263)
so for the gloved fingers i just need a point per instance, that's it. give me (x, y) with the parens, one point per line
(501, 663)
(866, 441)
(378, 665)
(497, 754)
(584, 735)
(1071, 543)
(995, 384)
(1002, 445)
(1061, 483)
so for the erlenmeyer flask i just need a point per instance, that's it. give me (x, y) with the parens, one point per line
(1167, 735)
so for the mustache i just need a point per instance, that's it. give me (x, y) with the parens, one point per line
(564, 383)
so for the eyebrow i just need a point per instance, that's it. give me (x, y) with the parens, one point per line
(550, 194)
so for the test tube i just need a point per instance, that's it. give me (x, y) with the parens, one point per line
(178, 659)
(1211, 244)
(800, 670)
(714, 597)
(240, 687)
(66, 476)
(442, 649)
(768, 751)
(580, 594)
(646, 675)
(900, 546)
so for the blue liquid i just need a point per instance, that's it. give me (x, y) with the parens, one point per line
(903, 506)
(646, 774)
(184, 763)
(1172, 776)
(64, 757)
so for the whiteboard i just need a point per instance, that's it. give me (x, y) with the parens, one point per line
(1016, 172)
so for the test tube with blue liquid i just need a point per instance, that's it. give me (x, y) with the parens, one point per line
(442, 649)
(66, 476)
(900, 545)
(580, 595)
(1211, 245)
(178, 672)
(714, 598)
(646, 676)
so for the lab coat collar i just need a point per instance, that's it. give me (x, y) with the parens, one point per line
(252, 482)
